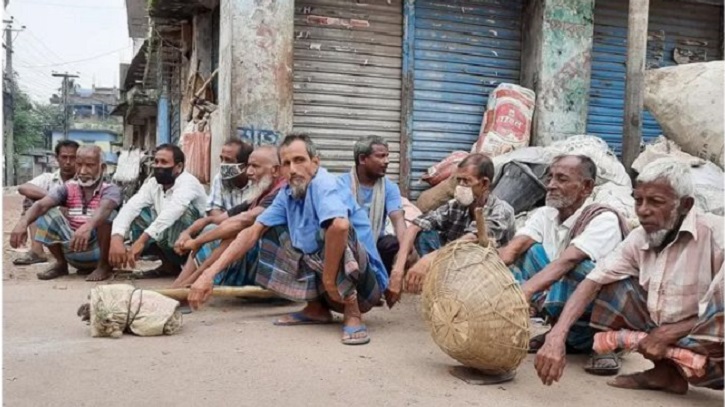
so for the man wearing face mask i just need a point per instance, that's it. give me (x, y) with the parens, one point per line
(81, 238)
(227, 187)
(665, 280)
(454, 220)
(264, 183)
(560, 245)
(167, 203)
(316, 246)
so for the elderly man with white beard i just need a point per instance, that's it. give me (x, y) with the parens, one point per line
(560, 245)
(665, 280)
(264, 183)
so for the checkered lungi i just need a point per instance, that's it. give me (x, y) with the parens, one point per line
(54, 228)
(551, 302)
(298, 276)
(623, 305)
(165, 241)
(427, 241)
(240, 273)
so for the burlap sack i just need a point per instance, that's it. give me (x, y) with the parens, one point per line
(436, 196)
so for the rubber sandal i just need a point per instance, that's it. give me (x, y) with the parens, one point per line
(50, 274)
(30, 258)
(298, 318)
(352, 330)
(148, 274)
(537, 342)
(603, 371)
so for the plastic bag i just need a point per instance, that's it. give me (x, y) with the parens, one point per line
(506, 124)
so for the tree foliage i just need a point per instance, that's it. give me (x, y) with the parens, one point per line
(34, 122)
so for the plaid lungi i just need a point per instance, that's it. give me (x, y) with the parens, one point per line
(298, 276)
(240, 273)
(168, 237)
(552, 302)
(427, 241)
(623, 305)
(54, 228)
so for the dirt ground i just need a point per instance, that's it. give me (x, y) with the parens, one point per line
(230, 354)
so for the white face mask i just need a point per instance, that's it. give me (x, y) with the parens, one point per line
(464, 195)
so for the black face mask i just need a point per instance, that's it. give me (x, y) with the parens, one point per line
(164, 175)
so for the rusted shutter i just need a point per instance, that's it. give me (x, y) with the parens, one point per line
(347, 76)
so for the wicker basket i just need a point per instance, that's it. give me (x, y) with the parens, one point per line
(476, 311)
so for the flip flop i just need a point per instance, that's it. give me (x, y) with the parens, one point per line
(537, 342)
(148, 274)
(30, 258)
(603, 371)
(352, 330)
(298, 318)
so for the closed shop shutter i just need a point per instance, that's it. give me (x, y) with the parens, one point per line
(678, 31)
(347, 76)
(461, 51)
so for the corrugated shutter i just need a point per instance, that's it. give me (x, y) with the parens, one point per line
(347, 76)
(686, 27)
(462, 51)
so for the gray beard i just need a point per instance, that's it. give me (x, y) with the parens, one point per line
(299, 191)
(559, 203)
(657, 239)
(256, 190)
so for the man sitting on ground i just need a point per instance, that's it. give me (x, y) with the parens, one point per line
(379, 196)
(453, 220)
(39, 187)
(559, 246)
(82, 237)
(165, 205)
(317, 246)
(666, 279)
(227, 187)
(265, 182)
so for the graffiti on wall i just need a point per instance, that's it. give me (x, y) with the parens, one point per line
(259, 137)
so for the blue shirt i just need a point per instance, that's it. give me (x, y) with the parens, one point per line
(393, 199)
(325, 200)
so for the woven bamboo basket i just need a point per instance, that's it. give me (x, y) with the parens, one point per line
(474, 308)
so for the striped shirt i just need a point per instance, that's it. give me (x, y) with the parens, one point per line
(677, 278)
(80, 210)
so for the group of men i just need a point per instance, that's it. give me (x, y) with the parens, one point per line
(277, 219)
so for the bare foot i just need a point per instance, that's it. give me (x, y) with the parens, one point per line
(56, 270)
(664, 376)
(311, 314)
(100, 274)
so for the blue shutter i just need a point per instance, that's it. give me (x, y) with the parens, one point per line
(461, 51)
(694, 28)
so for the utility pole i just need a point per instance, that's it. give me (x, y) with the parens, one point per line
(65, 77)
(9, 105)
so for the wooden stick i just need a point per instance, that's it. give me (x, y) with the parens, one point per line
(222, 291)
(481, 226)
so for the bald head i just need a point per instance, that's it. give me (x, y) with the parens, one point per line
(90, 165)
(263, 164)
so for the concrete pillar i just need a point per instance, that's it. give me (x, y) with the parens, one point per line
(556, 64)
(255, 73)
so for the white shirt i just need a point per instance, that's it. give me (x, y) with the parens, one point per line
(597, 240)
(169, 205)
(47, 180)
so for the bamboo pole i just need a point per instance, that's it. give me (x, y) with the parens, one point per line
(254, 292)
(481, 226)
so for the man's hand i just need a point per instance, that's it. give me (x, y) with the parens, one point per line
(19, 235)
(200, 292)
(180, 242)
(654, 346)
(191, 246)
(117, 256)
(331, 289)
(79, 241)
(392, 294)
(415, 278)
(134, 253)
(551, 359)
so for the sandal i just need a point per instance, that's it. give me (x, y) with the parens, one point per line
(51, 273)
(592, 368)
(349, 331)
(155, 273)
(537, 342)
(29, 259)
(298, 318)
